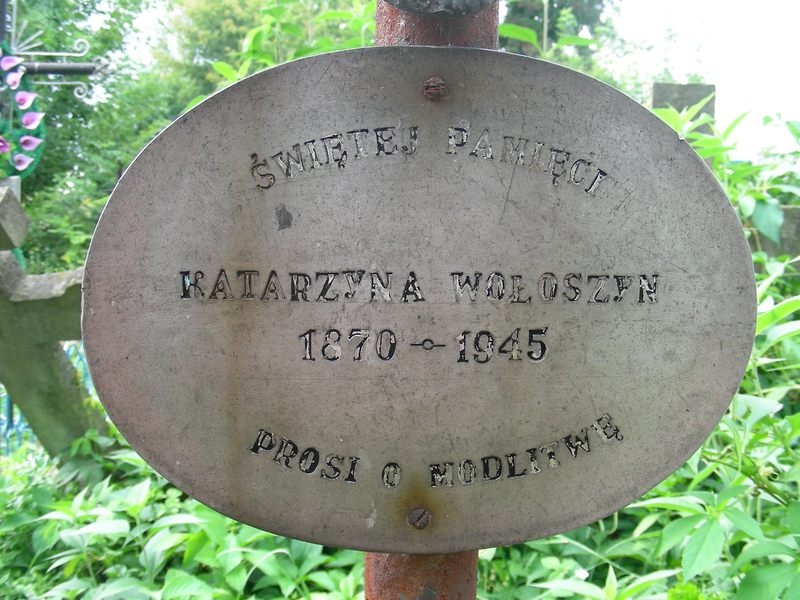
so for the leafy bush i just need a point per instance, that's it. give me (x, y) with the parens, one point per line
(104, 525)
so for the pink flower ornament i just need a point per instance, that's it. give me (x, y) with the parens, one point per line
(29, 142)
(22, 162)
(9, 62)
(4, 147)
(13, 79)
(25, 99)
(31, 120)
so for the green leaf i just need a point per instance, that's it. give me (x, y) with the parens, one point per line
(779, 312)
(573, 40)
(780, 333)
(244, 68)
(334, 15)
(610, 588)
(581, 589)
(734, 124)
(793, 592)
(702, 476)
(794, 129)
(274, 11)
(252, 40)
(678, 503)
(125, 588)
(702, 549)
(192, 103)
(178, 519)
(642, 583)
(324, 580)
(676, 531)
(287, 586)
(760, 550)
(765, 582)
(788, 189)
(136, 496)
(73, 585)
(487, 554)
(752, 409)
(768, 218)
(747, 204)
(155, 551)
(112, 527)
(57, 515)
(520, 34)
(180, 584)
(645, 524)
(551, 563)
(745, 522)
(793, 516)
(224, 69)
(692, 111)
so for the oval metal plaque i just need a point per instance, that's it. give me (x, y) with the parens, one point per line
(333, 308)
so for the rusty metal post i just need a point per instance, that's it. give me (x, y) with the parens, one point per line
(421, 576)
(427, 576)
(397, 27)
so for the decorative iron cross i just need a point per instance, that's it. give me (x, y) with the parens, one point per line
(38, 312)
(24, 45)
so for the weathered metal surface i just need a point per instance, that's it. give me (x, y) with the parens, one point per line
(398, 27)
(453, 8)
(565, 321)
(420, 577)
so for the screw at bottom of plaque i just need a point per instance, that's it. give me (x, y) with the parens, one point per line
(418, 518)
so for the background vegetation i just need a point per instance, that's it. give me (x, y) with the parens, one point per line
(100, 524)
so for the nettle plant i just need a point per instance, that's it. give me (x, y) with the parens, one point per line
(21, 121)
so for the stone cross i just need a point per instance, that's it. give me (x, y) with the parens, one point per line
(37, 312)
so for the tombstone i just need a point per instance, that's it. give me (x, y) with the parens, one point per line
(37, 312)
(367, 300)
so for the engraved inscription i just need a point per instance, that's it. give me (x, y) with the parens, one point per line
(331, 350)
(287, 454)
(562, 166)
(511, 465)
(385, 286)
(531, 461)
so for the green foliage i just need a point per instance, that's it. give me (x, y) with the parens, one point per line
(91, 143)
(63, 196)
(296, 28)
(757, 191)
(103, 525)
(575, 34)
(65, 210)
(573, 15)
